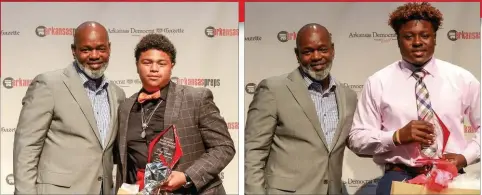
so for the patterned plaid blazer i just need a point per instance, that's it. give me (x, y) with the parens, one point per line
(206, 144)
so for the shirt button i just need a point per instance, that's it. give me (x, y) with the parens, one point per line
(99, 178)
(325, 181)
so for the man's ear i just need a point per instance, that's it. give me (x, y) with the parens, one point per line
(398, 40)
(296, 54)
(333, 50)
(72, 48)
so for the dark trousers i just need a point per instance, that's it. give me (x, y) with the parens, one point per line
(384, 186)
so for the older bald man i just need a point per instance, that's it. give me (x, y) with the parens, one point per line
(298, 122)
(67, 126)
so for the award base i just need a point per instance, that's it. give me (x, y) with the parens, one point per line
(163, 153)
(402, 188)
(128, 189)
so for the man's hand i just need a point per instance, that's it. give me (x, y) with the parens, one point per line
(417, 131)
(457, 159)
(175, 181)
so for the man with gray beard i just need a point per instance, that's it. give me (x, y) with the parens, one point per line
(65, 133)
(297, 124)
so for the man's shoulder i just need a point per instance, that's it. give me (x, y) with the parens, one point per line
(196, 92)
(115, 86)
(50, 77)
(274, 81)
(133, 96)
(394, 66)
(278, 77)
(117, 89)
(450, 68)
(128, 100)
(384, 74)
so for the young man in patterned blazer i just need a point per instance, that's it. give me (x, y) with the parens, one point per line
(205, 141)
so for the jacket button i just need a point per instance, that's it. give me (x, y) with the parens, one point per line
(99, 178)
(325, 181)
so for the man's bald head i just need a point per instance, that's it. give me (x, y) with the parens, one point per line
(90, 28)
(309, 29)
(315, 51)
(91, 48)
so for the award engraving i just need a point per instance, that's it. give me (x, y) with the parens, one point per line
(163, 154)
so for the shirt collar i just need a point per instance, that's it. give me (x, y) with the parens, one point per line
(430, 67)
(309, 82)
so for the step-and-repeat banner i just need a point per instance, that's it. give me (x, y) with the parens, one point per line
(364, 44)
(36, 37)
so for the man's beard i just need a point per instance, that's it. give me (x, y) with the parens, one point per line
(93, 74)
(317, 75)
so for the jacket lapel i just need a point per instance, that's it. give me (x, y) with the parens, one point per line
(113, 104)
(299, 90)
(341, 104)
(124, 113)
(76, 88)
(173, 104)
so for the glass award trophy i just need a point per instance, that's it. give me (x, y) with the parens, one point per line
(163, 153)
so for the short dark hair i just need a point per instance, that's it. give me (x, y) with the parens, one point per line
(415, 11)
(158, 42)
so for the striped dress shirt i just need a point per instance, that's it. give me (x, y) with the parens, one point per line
(325, 105)
(100, 103)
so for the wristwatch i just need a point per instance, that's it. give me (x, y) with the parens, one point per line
(188, 181)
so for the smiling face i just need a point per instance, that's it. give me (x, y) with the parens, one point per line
(417, 41)
(91, 50)
(154, 68)
(315, 52)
